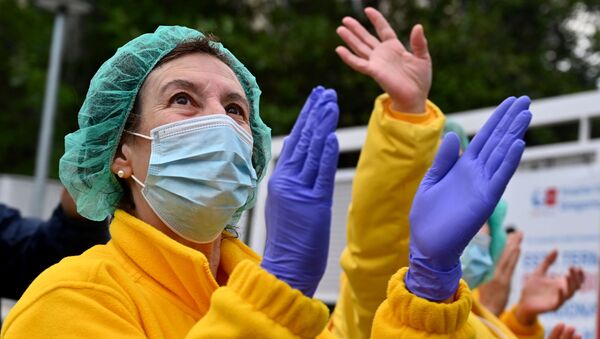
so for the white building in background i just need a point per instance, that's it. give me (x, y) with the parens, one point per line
(16, 191)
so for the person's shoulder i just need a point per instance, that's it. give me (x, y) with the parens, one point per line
(96, 279)
(98, 266)
(8, 213)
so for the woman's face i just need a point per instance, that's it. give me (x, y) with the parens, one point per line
(191, 86)
(187, 87)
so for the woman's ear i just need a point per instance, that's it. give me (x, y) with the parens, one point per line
(122, 165)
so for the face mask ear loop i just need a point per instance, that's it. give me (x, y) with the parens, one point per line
(147, 138)
(139, 135)
(137, 181)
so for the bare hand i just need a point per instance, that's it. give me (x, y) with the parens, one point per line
(562, 331)
(405, 76)
(542, 293)
(494, 294)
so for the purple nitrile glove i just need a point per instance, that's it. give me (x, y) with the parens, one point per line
(299, 200)
(457, 196)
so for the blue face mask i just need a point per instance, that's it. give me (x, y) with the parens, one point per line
(200, 173)
(476, 261)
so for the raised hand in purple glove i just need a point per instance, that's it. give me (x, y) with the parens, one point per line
(458, 194)
(299, 200)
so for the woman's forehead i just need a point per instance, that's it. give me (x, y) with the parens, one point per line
(196, 68)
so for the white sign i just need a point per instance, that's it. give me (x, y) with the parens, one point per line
(559, 208)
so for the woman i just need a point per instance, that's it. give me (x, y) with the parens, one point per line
(170, 133)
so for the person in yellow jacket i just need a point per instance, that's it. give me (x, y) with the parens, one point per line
(170, 140)
(403, 135)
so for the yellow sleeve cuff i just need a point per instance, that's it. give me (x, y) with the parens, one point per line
(286, 306)
(431, 111)
(532, 331)
(424, 315)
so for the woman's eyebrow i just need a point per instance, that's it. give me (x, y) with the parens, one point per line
(179, 83)
(234, 96)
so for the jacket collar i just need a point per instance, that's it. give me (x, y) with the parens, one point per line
(180, 270)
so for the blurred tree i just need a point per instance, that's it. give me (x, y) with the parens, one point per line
(22, 75)
(483, 51)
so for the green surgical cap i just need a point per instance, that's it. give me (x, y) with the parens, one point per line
(85, 168)
(497, 232)
(453, 126)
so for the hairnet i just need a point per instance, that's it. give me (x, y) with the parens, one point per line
(85, 168)
(453, 126)
(497, 232)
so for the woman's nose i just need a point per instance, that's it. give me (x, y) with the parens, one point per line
(212, 107)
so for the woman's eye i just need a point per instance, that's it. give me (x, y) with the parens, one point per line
(181, 99)
(234, 109)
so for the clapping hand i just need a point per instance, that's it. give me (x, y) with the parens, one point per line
(300, 194)
(440, 229)
(404, 75)
(544, 293)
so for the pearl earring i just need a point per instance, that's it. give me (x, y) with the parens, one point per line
(120, 173)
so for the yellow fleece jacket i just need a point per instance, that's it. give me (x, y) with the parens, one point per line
(397, 153)
(143, 284)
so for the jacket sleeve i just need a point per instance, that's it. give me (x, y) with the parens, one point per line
(535, 331)
(404, 315)
(30, 245)
(253, 304)
(398, 151)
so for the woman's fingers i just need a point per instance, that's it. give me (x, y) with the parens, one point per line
(358, 64)
(360, 32)
(292, 139)
(515, 131)
(325, 181)
(481, 138)
(325, 127)
(315, 115)
(574, 281)
(384, 30)
(418, 43)
(354, 43)
(508, 167)
(518, 106)
(568, 333)
(557, 331)
(548, 261)
(511, 262)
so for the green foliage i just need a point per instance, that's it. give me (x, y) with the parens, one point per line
(22, 72)
(482, 52)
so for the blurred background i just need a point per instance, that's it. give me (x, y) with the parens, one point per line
(482, 51)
